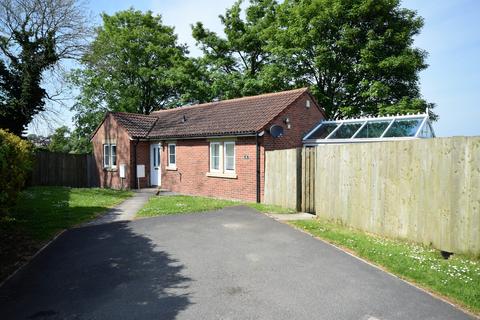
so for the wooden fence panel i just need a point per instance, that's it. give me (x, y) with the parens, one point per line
(426, 191)
(308, 180)
(63, 169)
(282, 178)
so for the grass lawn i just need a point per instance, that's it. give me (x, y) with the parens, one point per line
(42, 212)
(165, 205)
(457, 278)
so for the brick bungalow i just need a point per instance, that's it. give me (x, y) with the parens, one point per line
(213, 149)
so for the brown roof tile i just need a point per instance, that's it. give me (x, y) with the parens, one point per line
(235, 116)
(245, 115)
(137, 125)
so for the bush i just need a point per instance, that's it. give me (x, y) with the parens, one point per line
(16, 159)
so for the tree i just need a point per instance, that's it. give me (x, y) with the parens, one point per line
(39, 141)
(60, 140)
(240, 64)
(34, 36)
(356, 55)
(16, 159)
(134, 64)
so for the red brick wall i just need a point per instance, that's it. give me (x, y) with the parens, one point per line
(193, 157)
(193, 165)
(110, 130)
(143, 157)
(302, 120)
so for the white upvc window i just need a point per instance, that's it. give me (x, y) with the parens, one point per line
(113, 155)
(229, 157)
(106, 155)
(222, 157)
(172, 155)
(215, 157)
(109, 155)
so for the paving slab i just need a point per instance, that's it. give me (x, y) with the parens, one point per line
(292, 216)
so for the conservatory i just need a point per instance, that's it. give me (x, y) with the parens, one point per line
(400, 127)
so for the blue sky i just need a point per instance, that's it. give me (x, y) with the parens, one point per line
(451, 37)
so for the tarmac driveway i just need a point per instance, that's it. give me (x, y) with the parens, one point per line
(230, 264)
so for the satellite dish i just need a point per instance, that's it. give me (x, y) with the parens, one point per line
(276, 131)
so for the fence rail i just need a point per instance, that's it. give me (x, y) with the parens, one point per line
(426, 190)
(63, 169)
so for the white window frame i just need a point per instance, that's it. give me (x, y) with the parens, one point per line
(222, 159)
(169, 164)
(220, 169)
(108, 156)
(111, 155)
(225, 157)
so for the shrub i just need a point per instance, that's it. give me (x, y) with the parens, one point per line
(16, 159)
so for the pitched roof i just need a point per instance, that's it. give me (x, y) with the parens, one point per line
(236, 116)
(239, 116)
(137, 125)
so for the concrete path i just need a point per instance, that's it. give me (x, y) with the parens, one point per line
(291, 216)
(126, 210)
(231, 264)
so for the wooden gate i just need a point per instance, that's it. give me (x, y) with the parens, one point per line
(308, 179)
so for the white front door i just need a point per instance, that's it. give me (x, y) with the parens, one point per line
(155, 168)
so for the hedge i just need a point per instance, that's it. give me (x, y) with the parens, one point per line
(16, 160)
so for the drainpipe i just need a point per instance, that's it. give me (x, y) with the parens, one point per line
(257, 143)
(135, 183)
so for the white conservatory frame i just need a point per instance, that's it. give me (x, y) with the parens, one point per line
(307, 141)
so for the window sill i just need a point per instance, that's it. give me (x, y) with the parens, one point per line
(171, 168)
(222, 175)
(110, 169)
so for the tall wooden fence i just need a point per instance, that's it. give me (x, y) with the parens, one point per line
(63, 169)
(426, 191)
(282, 178)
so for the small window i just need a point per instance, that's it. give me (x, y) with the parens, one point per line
(106, 155)
(109, 155)
(215, 156)
(229, 158)
(172, 155)
(113, 154)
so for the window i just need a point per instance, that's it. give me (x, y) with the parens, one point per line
(106, 155)
(373, 129)
(172, 155)
(215, 156)
(323, 131)
(346, 131)
(382, 128)
(109, 155)
(222, 158)
(113, 154)
(403, 128)
(229, 158)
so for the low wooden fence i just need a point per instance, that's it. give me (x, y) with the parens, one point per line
(64, 169)
(426, 191)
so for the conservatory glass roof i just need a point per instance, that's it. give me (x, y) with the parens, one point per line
(371, 129)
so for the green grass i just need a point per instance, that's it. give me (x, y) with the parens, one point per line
(457, 278)
(42, 212)
(165, 205)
